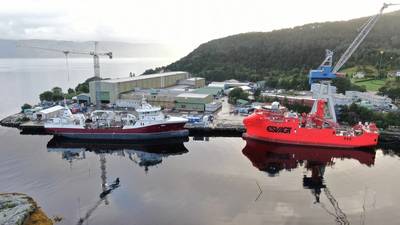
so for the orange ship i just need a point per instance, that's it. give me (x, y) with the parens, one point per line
(276, 124)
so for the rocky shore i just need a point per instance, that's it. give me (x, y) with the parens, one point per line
(20, 209)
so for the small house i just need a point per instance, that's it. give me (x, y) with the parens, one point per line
(359, 75)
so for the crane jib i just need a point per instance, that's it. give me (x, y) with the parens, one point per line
(325, 71)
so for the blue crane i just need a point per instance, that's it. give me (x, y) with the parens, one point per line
(325, 70)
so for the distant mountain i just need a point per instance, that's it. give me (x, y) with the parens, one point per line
(16, 49)
(256, 55)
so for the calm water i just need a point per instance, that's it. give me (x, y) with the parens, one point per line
(22, 80)
(215, 181)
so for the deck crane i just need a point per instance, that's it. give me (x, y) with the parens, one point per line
(96, 62)
(325, 71)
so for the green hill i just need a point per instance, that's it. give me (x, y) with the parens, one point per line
(292, 52)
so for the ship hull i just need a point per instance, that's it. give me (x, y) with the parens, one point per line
(289, 132)
(307, 142)
(159, 131)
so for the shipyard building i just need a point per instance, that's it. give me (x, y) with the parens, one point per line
(192, 102)
(111, 89)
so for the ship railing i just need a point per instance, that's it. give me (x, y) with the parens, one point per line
(349, 131)
(276, 118)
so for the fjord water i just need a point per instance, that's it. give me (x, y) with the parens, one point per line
(209, 181)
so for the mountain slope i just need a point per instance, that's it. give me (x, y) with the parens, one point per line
(255, 55)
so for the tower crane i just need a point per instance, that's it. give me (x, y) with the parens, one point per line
(96, 62)
(325, 71)
(316, 183)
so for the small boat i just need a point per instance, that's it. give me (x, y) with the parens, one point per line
(149, 123)
(277, 124)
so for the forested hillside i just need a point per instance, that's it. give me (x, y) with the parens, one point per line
(292, 52)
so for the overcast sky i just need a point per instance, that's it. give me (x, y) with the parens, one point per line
(186, 23)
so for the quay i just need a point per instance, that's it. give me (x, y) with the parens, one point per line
(221, 127)
(217, 130)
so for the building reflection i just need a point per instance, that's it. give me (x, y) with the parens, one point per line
(143, 154)
(273, 158)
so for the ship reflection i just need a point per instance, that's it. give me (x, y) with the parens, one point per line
(143, 154)
(273, 158)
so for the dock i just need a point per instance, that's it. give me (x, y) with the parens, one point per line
(217, 129)
(221, 127)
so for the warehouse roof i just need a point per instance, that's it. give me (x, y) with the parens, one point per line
(192, 95)
(208, 90)
(142, 77)
(52, 109)
(196, 78)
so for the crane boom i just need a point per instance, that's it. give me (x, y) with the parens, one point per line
(96, 62)
(325, 71)
(365, 29)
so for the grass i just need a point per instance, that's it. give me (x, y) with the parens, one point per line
(370, 84)
(369, 69)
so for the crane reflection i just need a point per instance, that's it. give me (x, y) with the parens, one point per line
(273, 158)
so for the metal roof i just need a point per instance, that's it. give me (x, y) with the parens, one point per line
(192, 95)
(52, 109)
(142, 77)
(208, 90)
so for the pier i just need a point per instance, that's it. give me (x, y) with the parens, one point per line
(221, 127)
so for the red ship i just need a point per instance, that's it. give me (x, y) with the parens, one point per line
(275, 124)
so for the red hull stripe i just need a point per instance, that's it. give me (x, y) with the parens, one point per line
(148, 129)
(266, 139)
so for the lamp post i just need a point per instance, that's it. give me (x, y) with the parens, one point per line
(380, 65)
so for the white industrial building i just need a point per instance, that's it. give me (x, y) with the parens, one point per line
(112, 88)
(377, 101)
(229, 84)
(316, 89)
(49, 113)
(359, 75)
(371, 100)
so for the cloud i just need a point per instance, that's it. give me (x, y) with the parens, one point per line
(179, 22)
(31, 26)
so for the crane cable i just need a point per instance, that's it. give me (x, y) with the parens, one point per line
(67, 64)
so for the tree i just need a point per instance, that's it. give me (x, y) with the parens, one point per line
(237, 93)
(56, 90)
(344, 84)
(71, 91)
(391, 89)
(46, 96)
(257, 93)
(82, 88)
(25, 106)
